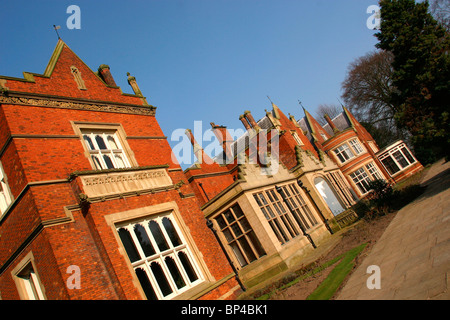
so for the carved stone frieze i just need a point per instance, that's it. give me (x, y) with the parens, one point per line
(121, 182)
(54, 103)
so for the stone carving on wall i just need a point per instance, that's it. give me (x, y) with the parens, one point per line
(121, 182)
(53, 103)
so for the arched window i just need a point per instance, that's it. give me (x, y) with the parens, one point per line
(105, 149)
(77, 76)
(160, 256)
(329, 195)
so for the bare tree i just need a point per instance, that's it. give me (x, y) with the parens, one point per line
(330, 109)
(368, 87)
(368, 90)
(440, 9)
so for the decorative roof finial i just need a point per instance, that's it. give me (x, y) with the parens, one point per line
(56, 29)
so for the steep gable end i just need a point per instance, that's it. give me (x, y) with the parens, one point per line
(363, 133)
(67, 75)
(318, 133)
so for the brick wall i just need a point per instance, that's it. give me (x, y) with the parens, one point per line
(40, 150)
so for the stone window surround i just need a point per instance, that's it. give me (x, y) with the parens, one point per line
(299, 205)
(21, 287)
(115, 219)
(79, 126)
(162, 252)
(247, 233)
(77, 77)
(5, 191)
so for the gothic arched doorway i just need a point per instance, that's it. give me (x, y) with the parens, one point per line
(329, 195)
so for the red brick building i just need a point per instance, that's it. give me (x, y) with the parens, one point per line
(263, 199)
(282, 187)
(92, 206)
(357, 153)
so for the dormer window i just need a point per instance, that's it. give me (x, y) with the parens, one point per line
(297, 139)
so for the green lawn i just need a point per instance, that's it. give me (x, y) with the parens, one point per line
(329, 286)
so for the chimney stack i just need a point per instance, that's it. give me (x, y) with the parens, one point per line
(250, 119)
(331, 123)
(132, 82)
(198, 151)
(244, 122)
(224, 137)
(105, 74)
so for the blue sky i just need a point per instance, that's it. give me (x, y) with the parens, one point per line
(200, 60)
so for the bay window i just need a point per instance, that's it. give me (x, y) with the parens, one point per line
(344, 153)
(240, 236)
(397, 159)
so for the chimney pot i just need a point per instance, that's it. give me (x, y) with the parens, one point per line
(105, 74)
(244, 122)
(331, 123)
(250, 119)
(224, 138)
(201, 156)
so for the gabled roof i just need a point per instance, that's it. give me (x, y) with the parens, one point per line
(57, 80)
(313, 129)
(341, 122)
(241, 143)
(29, 76)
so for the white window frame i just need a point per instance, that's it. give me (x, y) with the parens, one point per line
(373, 171)
(112, 152)
(356, 145)
(297, 139)
(373, 146)
(366, 173)
(342, 150)
(31, 284)
(159, 256)
(27, 279)
(117, 132)
(390, 154)
(6, 197)
(359, 177)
